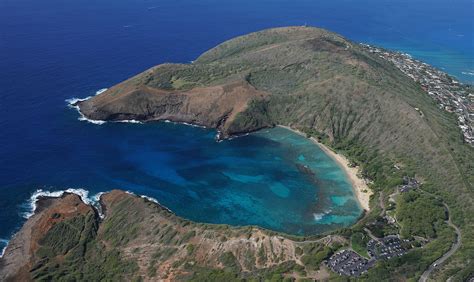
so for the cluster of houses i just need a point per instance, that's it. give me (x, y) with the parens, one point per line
(409, 183)
(450, 94)
(349, 263)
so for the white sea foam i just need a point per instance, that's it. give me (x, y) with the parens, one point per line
(130, 121)
(144, 197)
(84, 194)
(191, 124)
(468, 73)
(319, 216)
(218, 136)
(92, 200)
(100, 91)
(96, 197)
(72, 104)
(149, 199)
(96, 201)
(94, 121)
(184, 123)
(5, 241)
(73, 101)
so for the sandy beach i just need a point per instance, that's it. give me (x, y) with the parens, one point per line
(360, 187)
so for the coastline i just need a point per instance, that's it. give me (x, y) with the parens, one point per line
(359, 186)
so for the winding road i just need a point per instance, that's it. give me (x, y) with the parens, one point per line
(424, 277)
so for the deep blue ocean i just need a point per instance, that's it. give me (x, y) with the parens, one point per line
(54, 50)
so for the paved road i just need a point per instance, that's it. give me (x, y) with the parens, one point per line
(382, 205)
(442, 259)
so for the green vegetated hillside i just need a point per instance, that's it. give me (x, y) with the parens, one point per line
(140, 240)
(351, 100)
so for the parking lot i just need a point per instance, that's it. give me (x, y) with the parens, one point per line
(348, 262)
(386, 248)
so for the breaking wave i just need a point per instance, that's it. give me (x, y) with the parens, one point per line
(72, 104)
(5, 242)
(84, 194)
(73, 101)
(130, 121)
(92, 200)
(320, 216)
(100, 91)
(149, 199)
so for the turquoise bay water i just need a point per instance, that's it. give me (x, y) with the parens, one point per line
(273, 178)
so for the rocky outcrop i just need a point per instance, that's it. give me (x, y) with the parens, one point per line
(140, 239)
(213, 106)
(21, 253)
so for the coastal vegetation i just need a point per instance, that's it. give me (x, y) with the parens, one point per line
(419, 215)
(359, 242)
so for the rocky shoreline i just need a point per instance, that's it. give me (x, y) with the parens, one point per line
(20, 251)
(211, 107)
(62, 225)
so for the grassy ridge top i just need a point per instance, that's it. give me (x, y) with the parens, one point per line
(270, 37)
(321, 83)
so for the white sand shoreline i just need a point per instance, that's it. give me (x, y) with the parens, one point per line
(359, 185)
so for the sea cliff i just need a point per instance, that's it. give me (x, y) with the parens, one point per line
(139, 239)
